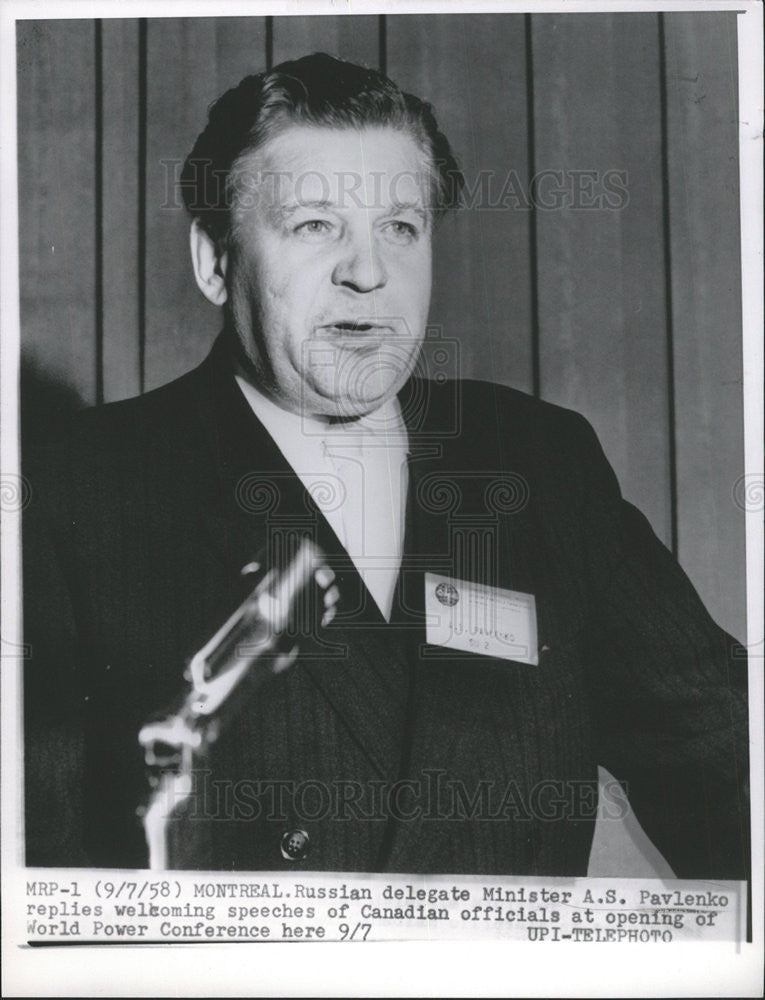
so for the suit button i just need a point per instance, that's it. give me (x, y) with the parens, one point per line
(294, 845)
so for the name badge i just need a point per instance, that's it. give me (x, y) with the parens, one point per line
(476, 618)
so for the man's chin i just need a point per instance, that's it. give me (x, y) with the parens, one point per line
(345, 405)
(353, 407)
(332, 400)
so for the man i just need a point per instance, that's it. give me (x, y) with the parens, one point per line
(506, 621)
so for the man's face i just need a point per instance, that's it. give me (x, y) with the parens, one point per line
(329, 266)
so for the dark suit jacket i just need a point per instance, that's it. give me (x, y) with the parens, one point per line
(140, 520)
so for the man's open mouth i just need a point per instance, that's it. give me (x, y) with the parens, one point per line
(351, 326)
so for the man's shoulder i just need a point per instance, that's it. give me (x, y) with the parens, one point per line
(165, 407)
(117, 443)
(494, 408)
(478, 391)
(123, 423)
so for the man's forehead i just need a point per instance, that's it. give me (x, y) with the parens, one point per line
(325, 167)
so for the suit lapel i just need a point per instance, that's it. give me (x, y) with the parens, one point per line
(469, 518)
(468, 514)
(256, 508)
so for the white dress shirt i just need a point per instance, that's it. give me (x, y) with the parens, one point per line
(357, 475)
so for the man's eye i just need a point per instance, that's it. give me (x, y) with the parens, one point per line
(313, 227)
(402, 232)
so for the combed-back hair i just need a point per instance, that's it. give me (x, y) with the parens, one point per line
(316, 90)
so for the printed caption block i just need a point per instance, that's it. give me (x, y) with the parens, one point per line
(72, 906)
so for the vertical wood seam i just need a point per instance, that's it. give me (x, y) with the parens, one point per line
(533, 236)
(269, 43)
(382, 59)
(60, 204)
(668, 300)
(482, 255)
(142, 181)
(99, 209)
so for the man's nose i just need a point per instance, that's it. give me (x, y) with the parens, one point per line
(360, 265)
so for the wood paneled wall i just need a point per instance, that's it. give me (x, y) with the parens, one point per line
(631, 315)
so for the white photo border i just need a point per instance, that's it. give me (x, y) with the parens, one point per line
(413, 968)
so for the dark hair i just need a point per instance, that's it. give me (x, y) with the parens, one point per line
(315, 90)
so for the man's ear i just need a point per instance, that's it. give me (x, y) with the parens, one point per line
(209, 265)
